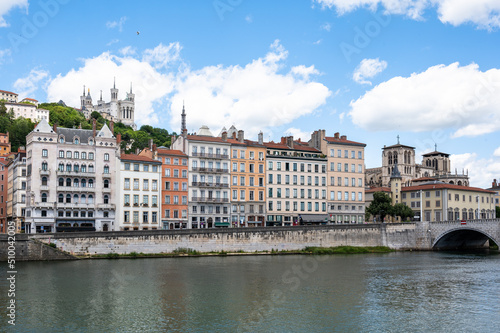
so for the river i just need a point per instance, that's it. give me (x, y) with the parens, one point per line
(394, 292)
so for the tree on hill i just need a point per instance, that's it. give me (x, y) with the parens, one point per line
(18, 130)
(402, 211)
(381, 205)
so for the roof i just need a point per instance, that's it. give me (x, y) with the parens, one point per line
(423, 179)
(171, 152)
(435, 153)
(205, 138)
(204, 130)
(296, 146)
(30, 99)
(398, 145)
(137, 158)
(439, 185)
(8, 92)
(340, 140)
(43, 127)
(378, 189)
(70, 133)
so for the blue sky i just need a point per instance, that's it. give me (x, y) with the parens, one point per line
(426, 70)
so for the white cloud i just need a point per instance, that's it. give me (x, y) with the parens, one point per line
(253, 97)
(326, 26)
(482, 13)
(482, 171)
(4, 54)
(7, 5)
(111, 42)
(117, 24)
(249, 18)
(27, 85)
(497, 153)
(127, 50)
(162, 55)
(367, 69)
(317, 42)
(298, 134)
(460, 98)
(149, 85)
(304, 71)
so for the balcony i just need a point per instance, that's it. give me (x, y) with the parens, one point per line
(106, 206)
(75, 189)
(209, 155)
(72, 205)
(203, 184)
(75, 173)
(42, 205)
(208, 199)
(210, 170)
(44, 172)
(106, 175)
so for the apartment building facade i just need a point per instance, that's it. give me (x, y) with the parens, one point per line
(346, 174)
(174, 189)
(209, 174)
(296, 184)
(16, 190)
(138, 205)
(70, 179)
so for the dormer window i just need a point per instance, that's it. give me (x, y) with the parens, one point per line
(61, 139)
(76, 141)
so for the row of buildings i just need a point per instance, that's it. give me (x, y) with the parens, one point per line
(75, 179)
(26, 108)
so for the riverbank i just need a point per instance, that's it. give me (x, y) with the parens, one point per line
(186, 252)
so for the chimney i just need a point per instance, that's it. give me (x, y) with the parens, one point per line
(155, 152)
(234, 135)
(261, 138)
(112, 127)
(336, 135)
(283, 140)
(137, 151)
(118, 139)
(94, 125)
(241, 136)
(150, 144)
(55, 127)
(289, 141)
(494, 184)
(343, 137)
(224, 136)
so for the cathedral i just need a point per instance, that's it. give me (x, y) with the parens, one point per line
(435, 166)
(116, 110)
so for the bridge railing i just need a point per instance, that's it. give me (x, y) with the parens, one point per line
(467, 221)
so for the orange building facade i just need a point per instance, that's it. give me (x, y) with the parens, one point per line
(174, 198)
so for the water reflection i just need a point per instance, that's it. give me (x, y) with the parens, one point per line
(416, 292)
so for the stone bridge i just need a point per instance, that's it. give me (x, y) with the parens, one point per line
(448, 235)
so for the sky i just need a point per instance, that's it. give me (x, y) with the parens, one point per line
(427, 71)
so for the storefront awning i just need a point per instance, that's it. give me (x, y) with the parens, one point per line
(222, 224)
(314, 217)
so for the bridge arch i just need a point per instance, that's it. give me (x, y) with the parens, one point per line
(462, 238)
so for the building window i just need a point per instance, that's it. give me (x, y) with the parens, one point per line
(106, 199)
(91, 156)
(106, 169)
(106, 157)
(45, 153)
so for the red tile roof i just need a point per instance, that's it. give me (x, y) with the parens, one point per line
(8, 92)
(132, 157)
(163, 151)
(444, 186)
(332, 139)
(378, 189)
(31, 99)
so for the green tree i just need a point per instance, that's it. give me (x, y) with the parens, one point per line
(96, 115)
(402, 211)
(497, 212)
(380, 206)
(18, 130)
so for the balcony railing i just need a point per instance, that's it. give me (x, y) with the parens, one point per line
(106, 206)
(207, 199)
(106, 175)
(75, 205)
(212, 170)
(211, 155)
(204, 184)
(75, 189)
(49, 205)
(75, 173)
(44, 172)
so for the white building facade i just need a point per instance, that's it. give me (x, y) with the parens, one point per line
(139, 181)
(70, 179)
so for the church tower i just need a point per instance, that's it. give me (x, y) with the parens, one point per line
(114, 92)
(82, 99)
(131, 95)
